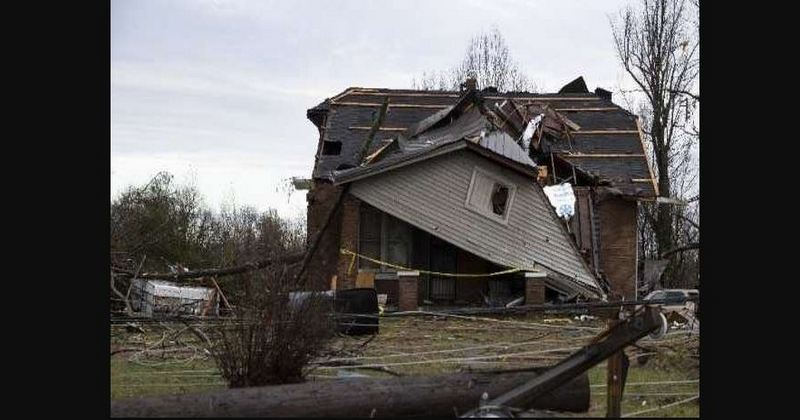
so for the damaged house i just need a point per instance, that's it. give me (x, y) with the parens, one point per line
(442, 197)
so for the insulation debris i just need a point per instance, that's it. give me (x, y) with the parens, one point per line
(530, 129)
(562, 198)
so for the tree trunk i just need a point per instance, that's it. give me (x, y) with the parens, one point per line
(444, 395)
(663, 222)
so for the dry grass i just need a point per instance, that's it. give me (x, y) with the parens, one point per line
(429, 346)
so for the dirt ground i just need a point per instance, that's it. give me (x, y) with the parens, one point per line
(662, 372)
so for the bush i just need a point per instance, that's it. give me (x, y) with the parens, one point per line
(271, 340)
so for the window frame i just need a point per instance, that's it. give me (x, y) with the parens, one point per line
(359, 261)
(383, 243)
(497, 179)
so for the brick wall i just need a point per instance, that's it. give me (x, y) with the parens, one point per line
(348, 239)
(618, 244)
(324, 264)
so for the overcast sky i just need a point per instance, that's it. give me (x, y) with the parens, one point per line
(216, 91)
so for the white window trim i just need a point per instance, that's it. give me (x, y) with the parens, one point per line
(512, 192)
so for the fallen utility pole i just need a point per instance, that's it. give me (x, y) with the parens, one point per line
(443, 395)
(609, 342)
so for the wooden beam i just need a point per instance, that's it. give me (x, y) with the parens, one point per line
(377, 153)
(601, 155)
(378, 105)
(600, 348)
(549, 98)
(588, 132)
(430, 95)
(345, 93)
(616, 373)
(363, 127)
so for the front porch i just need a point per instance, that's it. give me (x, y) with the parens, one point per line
(413, 268)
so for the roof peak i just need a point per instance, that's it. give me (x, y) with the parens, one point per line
(455, 93)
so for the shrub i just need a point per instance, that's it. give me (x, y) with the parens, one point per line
(272, 339)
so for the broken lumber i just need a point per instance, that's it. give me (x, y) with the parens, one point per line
(602, 346)
(443, 395)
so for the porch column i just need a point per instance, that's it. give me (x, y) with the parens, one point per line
(407, 285)
(534, 287)
(348, 239)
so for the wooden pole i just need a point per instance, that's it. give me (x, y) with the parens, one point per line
(603, 346)
(618, 367)
(219, 290)
(444, 395)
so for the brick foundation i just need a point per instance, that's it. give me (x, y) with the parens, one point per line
(534, 290)
(407, 285)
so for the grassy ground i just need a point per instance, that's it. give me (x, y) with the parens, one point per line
(429, 346)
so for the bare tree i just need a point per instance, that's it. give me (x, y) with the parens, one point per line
(488, 60)
(658, 47)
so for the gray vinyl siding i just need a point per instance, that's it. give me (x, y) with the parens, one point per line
(431, 195)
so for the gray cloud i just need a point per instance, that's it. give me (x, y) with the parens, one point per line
(219, 89)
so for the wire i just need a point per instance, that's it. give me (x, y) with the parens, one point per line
(650, 410)
(694, 381)
(455, 359)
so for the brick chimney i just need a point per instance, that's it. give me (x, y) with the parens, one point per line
(470, 84)
(605, 94)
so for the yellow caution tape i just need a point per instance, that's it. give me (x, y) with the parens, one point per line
(436, 273)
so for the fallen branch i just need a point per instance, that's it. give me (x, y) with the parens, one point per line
(219, 272)
(691, 222)
(693, 245)
(125, 350)
(128, 308)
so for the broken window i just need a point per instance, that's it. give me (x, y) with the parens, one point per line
(499, 199)
(369, 236)
(398, 241)
(490, 194)
(382, 237)
(331, 147)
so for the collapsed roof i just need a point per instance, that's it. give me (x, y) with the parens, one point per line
(586, 130)
(491, 130)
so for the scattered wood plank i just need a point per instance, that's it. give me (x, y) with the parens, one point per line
(377, 105)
